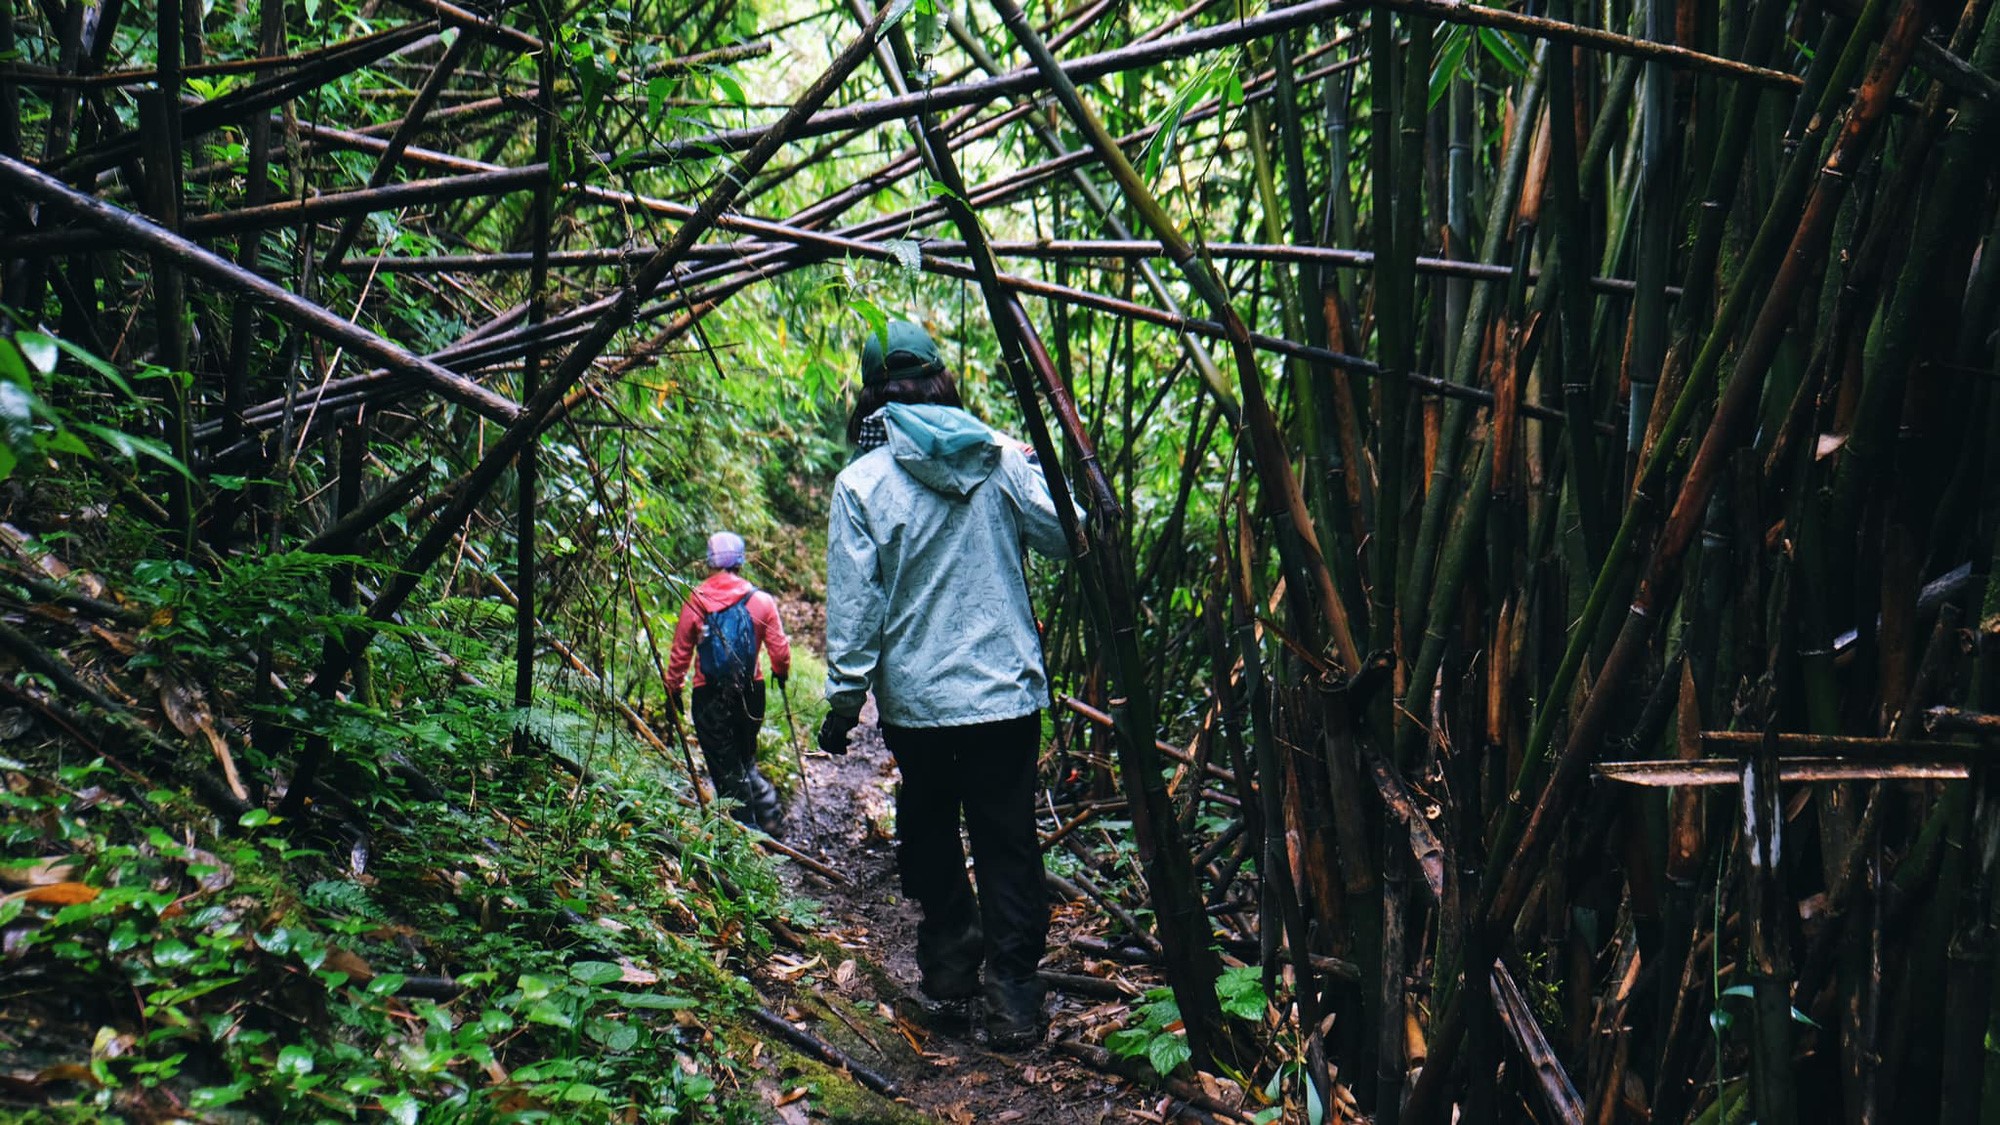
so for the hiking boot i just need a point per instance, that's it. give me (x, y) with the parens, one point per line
(946, 1017)
(772, 823)
(950, 967)
(764, 805)
(1014, 1014)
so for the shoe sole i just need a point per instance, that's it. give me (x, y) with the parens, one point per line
(1012, 1042)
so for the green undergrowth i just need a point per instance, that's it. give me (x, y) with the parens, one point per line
(469, 926)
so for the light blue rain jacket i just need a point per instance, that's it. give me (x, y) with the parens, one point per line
(926, 601)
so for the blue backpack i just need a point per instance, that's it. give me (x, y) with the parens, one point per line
(728, 646)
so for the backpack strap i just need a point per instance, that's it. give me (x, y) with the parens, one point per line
(707, 613)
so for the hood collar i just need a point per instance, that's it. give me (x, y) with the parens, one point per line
(945, 448)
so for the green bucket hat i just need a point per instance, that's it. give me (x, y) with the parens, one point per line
(911, 354)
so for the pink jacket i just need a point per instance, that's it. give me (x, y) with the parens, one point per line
(721, 591)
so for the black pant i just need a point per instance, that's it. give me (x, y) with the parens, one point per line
(988, 771)
(726, 721)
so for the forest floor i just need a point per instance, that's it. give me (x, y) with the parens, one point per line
(850, 825)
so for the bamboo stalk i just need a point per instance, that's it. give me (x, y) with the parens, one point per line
(1562, 31)
(1565, 203)
(1739, 396)
(541, 216)
(258, 97)
(286, 304)
(1197, 354)
(1506, 892)
(1705, 773)
(1471, 332)
(1692, 391)
(1281, 486)
(1558, 1093)
(1767, 943)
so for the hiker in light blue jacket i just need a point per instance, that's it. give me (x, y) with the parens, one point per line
(927, 606)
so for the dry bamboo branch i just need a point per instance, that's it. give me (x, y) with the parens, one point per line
(1551, 1081)
(1049, 249)
(1558, 31)
(1167, 748)
(454, 16)
(1711, 772)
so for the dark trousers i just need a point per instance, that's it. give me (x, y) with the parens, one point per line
(726, 721)
(987, 772)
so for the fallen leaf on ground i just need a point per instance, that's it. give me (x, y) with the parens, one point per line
(67, 1072)
(1221, 1090)
(342, 961)
(791, 968)
(58, 894)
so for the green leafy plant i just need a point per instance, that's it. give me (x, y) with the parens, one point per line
(33, 430)
(1155, 1033)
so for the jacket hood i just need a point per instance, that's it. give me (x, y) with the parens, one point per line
(720, 591)
(945, 448)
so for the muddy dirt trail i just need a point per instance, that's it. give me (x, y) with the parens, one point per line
(855, 982)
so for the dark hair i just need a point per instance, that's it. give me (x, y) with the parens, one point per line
(935, 390)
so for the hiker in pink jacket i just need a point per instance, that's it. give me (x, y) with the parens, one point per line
(722, 625)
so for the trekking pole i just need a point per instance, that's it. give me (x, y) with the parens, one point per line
(799, 753)
(680, 736)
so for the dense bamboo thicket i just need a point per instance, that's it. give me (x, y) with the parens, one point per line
(1538, 464)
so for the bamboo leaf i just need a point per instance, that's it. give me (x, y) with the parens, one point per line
(730, 88)
(1449, 62)
(1502, 48)
(39, 350)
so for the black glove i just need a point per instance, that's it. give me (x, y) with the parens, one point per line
(674, 703)
(780, 677)
(833, 733)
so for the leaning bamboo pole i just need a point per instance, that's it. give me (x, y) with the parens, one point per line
(1182, 924)
(35, 184)
(1054, 249)
(1282, 487)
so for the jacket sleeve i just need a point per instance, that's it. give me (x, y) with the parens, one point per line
(854, 606)
(1041, 527)
(772, 628)
(683, 651)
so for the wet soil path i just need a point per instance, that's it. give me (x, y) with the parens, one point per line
(855, 982)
